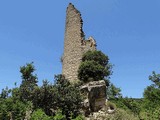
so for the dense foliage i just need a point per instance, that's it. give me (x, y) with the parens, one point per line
(147, 108)
(62, 101)
(152, 98)
(30, 101)
(29, 82)
(113, 92)
(68, 97)
(95, 66)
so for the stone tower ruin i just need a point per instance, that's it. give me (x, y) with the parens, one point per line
(75, 44)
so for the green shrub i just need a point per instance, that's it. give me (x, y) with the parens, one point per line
(95, 66)
(150, 114)
(39, 115)
(68, 97)
(91, 70)
(96, 56)
(80, 117)
(121, 114)
(59, 116)
(13, 109)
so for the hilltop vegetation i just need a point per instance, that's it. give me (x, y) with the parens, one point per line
(46, 102)
(61, 100)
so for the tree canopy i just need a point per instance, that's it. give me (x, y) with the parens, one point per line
(30, 101)
(94, 66)
(29, 82)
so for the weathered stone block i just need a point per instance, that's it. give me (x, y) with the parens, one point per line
(95, 95)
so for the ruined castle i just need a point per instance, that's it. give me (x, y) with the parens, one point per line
(75, 44)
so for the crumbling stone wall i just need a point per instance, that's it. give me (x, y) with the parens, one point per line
(89, 44)
(74, 44)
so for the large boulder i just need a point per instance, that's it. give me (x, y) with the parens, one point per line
(95, 96)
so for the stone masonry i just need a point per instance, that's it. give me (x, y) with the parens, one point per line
(75, 44)
(94, 94)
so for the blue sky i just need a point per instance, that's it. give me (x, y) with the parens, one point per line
(128, 31)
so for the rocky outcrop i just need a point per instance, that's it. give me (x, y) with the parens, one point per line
(95, 96)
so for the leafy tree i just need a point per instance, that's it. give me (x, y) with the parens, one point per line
(58, 96)
(113, 92)
(45, 97)
(91, 70)
(18, 103)
(13, 109)
(5, 93)
(155, 78)
(29, 82)
(68, 97)
(152, 97)
(133, 105)
(96, 56)
(152, 92)
(95, 66)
